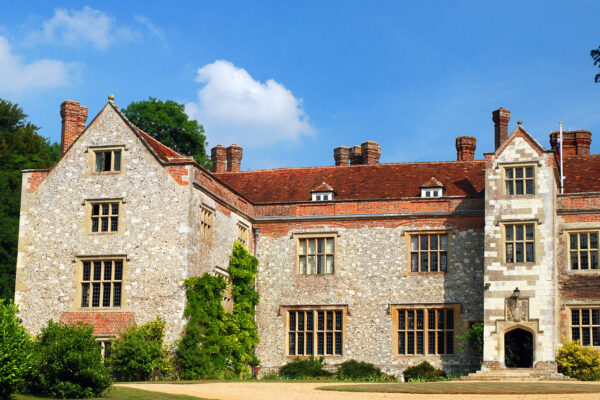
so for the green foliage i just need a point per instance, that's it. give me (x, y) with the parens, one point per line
(15, 350)
(67, 363)
(168, 123)
(138, 353)
(361, 371)
(301, 368)
(474, 340)
(595, 54)
(423, 372)
(579, 362)
(217, 344)
(20, 148)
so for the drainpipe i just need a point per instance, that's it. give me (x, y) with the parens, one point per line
(255, 232)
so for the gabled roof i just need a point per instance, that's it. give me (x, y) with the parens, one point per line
(582, 173)
(322, 187)
(521, 132)
(432, 183)
(358, 182)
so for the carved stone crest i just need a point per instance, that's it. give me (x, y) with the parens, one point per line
(516, 309)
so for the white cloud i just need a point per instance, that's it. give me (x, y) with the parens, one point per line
(235, 108)
(16, 75)
(81, 27)
(153, 29)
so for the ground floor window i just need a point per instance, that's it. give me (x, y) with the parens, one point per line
(315, 332)
(585, 326)
(423, 331)
(105, 347)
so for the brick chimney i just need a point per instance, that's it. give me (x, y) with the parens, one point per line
(234, 158)
(500, 118)
(73, 118)
(341, 155)
(574, 142)
(218, 156)
(370, 152)
(465, 148)
(355, 155)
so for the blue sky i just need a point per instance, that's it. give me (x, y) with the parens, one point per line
(289, 81)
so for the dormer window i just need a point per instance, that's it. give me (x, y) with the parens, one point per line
(322, 192)
(432, 188)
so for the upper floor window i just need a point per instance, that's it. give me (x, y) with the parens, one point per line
(206, 224)
(322, 196)
(583, 250)
(108, 160)
(315, 332)
(316, 255)
(519, 180)
(585, 326)
(431, 192)
(429, 252)
(105, 216)
(519, 243)
(425, 331)
(242, 234)
(101, 283)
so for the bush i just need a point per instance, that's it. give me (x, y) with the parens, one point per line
(423, 372)
(579, 362)
(67, 363)
(15, 350)
(361, 371)
(474, 340)
(304, 368)
(138, 354)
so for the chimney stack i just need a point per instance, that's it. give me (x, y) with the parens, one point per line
(218, 156)
(500, 118)
(234, 158)
(574, 142)
(341, 155)
(465, 148)
(73, 117)
(370, 152)
(355, 155)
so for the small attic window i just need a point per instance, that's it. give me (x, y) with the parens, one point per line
(431, 192)
(322, 196)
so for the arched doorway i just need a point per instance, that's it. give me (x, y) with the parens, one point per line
(518, 349)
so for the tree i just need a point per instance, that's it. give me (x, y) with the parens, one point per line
(168, 123)
(595, 54)
(20, 148)
(15, 350)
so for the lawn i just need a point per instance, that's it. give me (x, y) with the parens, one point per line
(471, 388)
(121, 393)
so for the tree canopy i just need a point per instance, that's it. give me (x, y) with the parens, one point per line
(167, 122)
(20, 148)
(595, 54)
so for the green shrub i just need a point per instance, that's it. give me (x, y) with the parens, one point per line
(67, 363)
(138, 353)
(15, 350)
(423, 372)
(579, 362)
(301, 368)
(361, 371)
(474, 340)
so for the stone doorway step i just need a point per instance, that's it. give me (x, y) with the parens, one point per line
(515, 374)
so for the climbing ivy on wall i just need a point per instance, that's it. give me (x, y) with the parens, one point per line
(218, 344)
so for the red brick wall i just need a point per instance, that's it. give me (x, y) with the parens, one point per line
(105, 323)
(35, 179)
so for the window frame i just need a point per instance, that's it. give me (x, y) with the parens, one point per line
(81, 282)
(206, 227)
(426, 309)
(516, 241)
(325, 254)
(578, 251)
(322, 196)
(432, 193)
(580, 326)
(95, 150)
(243, 234)
(410, 251)
(89, 216)
(524, 179)
(337, 335)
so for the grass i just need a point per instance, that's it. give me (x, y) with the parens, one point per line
(471, 388)
(121, 393)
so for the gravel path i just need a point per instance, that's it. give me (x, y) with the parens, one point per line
(302, 391)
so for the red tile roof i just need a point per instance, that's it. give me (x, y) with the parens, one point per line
(163, 152)
(582, 173)
(381, 181)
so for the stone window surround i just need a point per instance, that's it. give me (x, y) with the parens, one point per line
(409, 233)
(590, 325)
(500, 168)
(87, 203)
(206, 223)
(104, 341)
(91, 161)
(393, 310)
(314, 235)
(78, 278)
(283, 311)
(536, 242)
(567, 236)
(243, 233)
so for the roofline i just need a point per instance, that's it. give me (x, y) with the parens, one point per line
(435, 199)
(368, 216)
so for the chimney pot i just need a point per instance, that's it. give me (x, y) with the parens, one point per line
(574, 142)
(355, 155)
(218, 156)
(500, 118)
(371, 151)
(341, 155)
(465, 148)
(234, 158)
(73, 117)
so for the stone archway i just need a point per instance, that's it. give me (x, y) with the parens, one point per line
(518, 349)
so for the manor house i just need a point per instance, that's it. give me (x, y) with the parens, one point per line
(383, 263)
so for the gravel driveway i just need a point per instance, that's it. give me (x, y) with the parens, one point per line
(302, 391)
